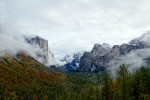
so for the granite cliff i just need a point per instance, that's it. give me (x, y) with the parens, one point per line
(101, 55)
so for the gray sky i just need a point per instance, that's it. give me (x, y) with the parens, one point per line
(76, 25)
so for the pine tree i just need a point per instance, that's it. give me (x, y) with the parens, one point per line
(136, 85)
(106, 85)
(142, 83)
(124, 84)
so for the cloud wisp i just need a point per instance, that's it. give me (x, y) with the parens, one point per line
(133, 61)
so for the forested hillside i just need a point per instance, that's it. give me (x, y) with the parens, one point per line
(24, 78)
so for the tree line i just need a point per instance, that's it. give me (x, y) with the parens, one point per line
(19, 81)
(127, 86)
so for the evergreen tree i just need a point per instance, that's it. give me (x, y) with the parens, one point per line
(124, 85)
(142, 83)
(106, 85)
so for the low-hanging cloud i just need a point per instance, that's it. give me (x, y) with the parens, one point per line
(12, 42)
(133, 61)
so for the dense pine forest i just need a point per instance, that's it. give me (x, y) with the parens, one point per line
(24, 78)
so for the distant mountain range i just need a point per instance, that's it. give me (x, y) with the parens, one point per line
(105, 55)
(102, 56)
(71, 61)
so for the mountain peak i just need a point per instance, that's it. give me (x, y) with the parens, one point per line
(71, 61)
(145, 37)
(100, 50)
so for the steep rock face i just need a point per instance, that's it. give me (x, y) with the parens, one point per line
(43, 45)
(89, 62)
(100, 56)
(124, 48)
(100, 50)
(115, 51)
(86, 62)
(42, 51)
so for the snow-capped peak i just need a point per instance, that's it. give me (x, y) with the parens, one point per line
(100, 50)
(107, 46)
(70, 57)
(143, 38)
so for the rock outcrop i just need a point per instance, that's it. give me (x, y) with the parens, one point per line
(100, 50)
(42, 51)
(100, 56)
(96, 59)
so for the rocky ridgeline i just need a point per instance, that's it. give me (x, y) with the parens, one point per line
(102, 55)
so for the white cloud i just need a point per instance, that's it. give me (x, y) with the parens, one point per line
(133, 61)
(71, 25)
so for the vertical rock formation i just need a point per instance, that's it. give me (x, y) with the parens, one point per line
(96, 59)
(42, 51)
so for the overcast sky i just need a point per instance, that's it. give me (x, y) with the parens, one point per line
(76, 25)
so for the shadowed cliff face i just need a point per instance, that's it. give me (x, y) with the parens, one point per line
(42, 52)
(100, 56)
(86, 62)
(43, 44)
